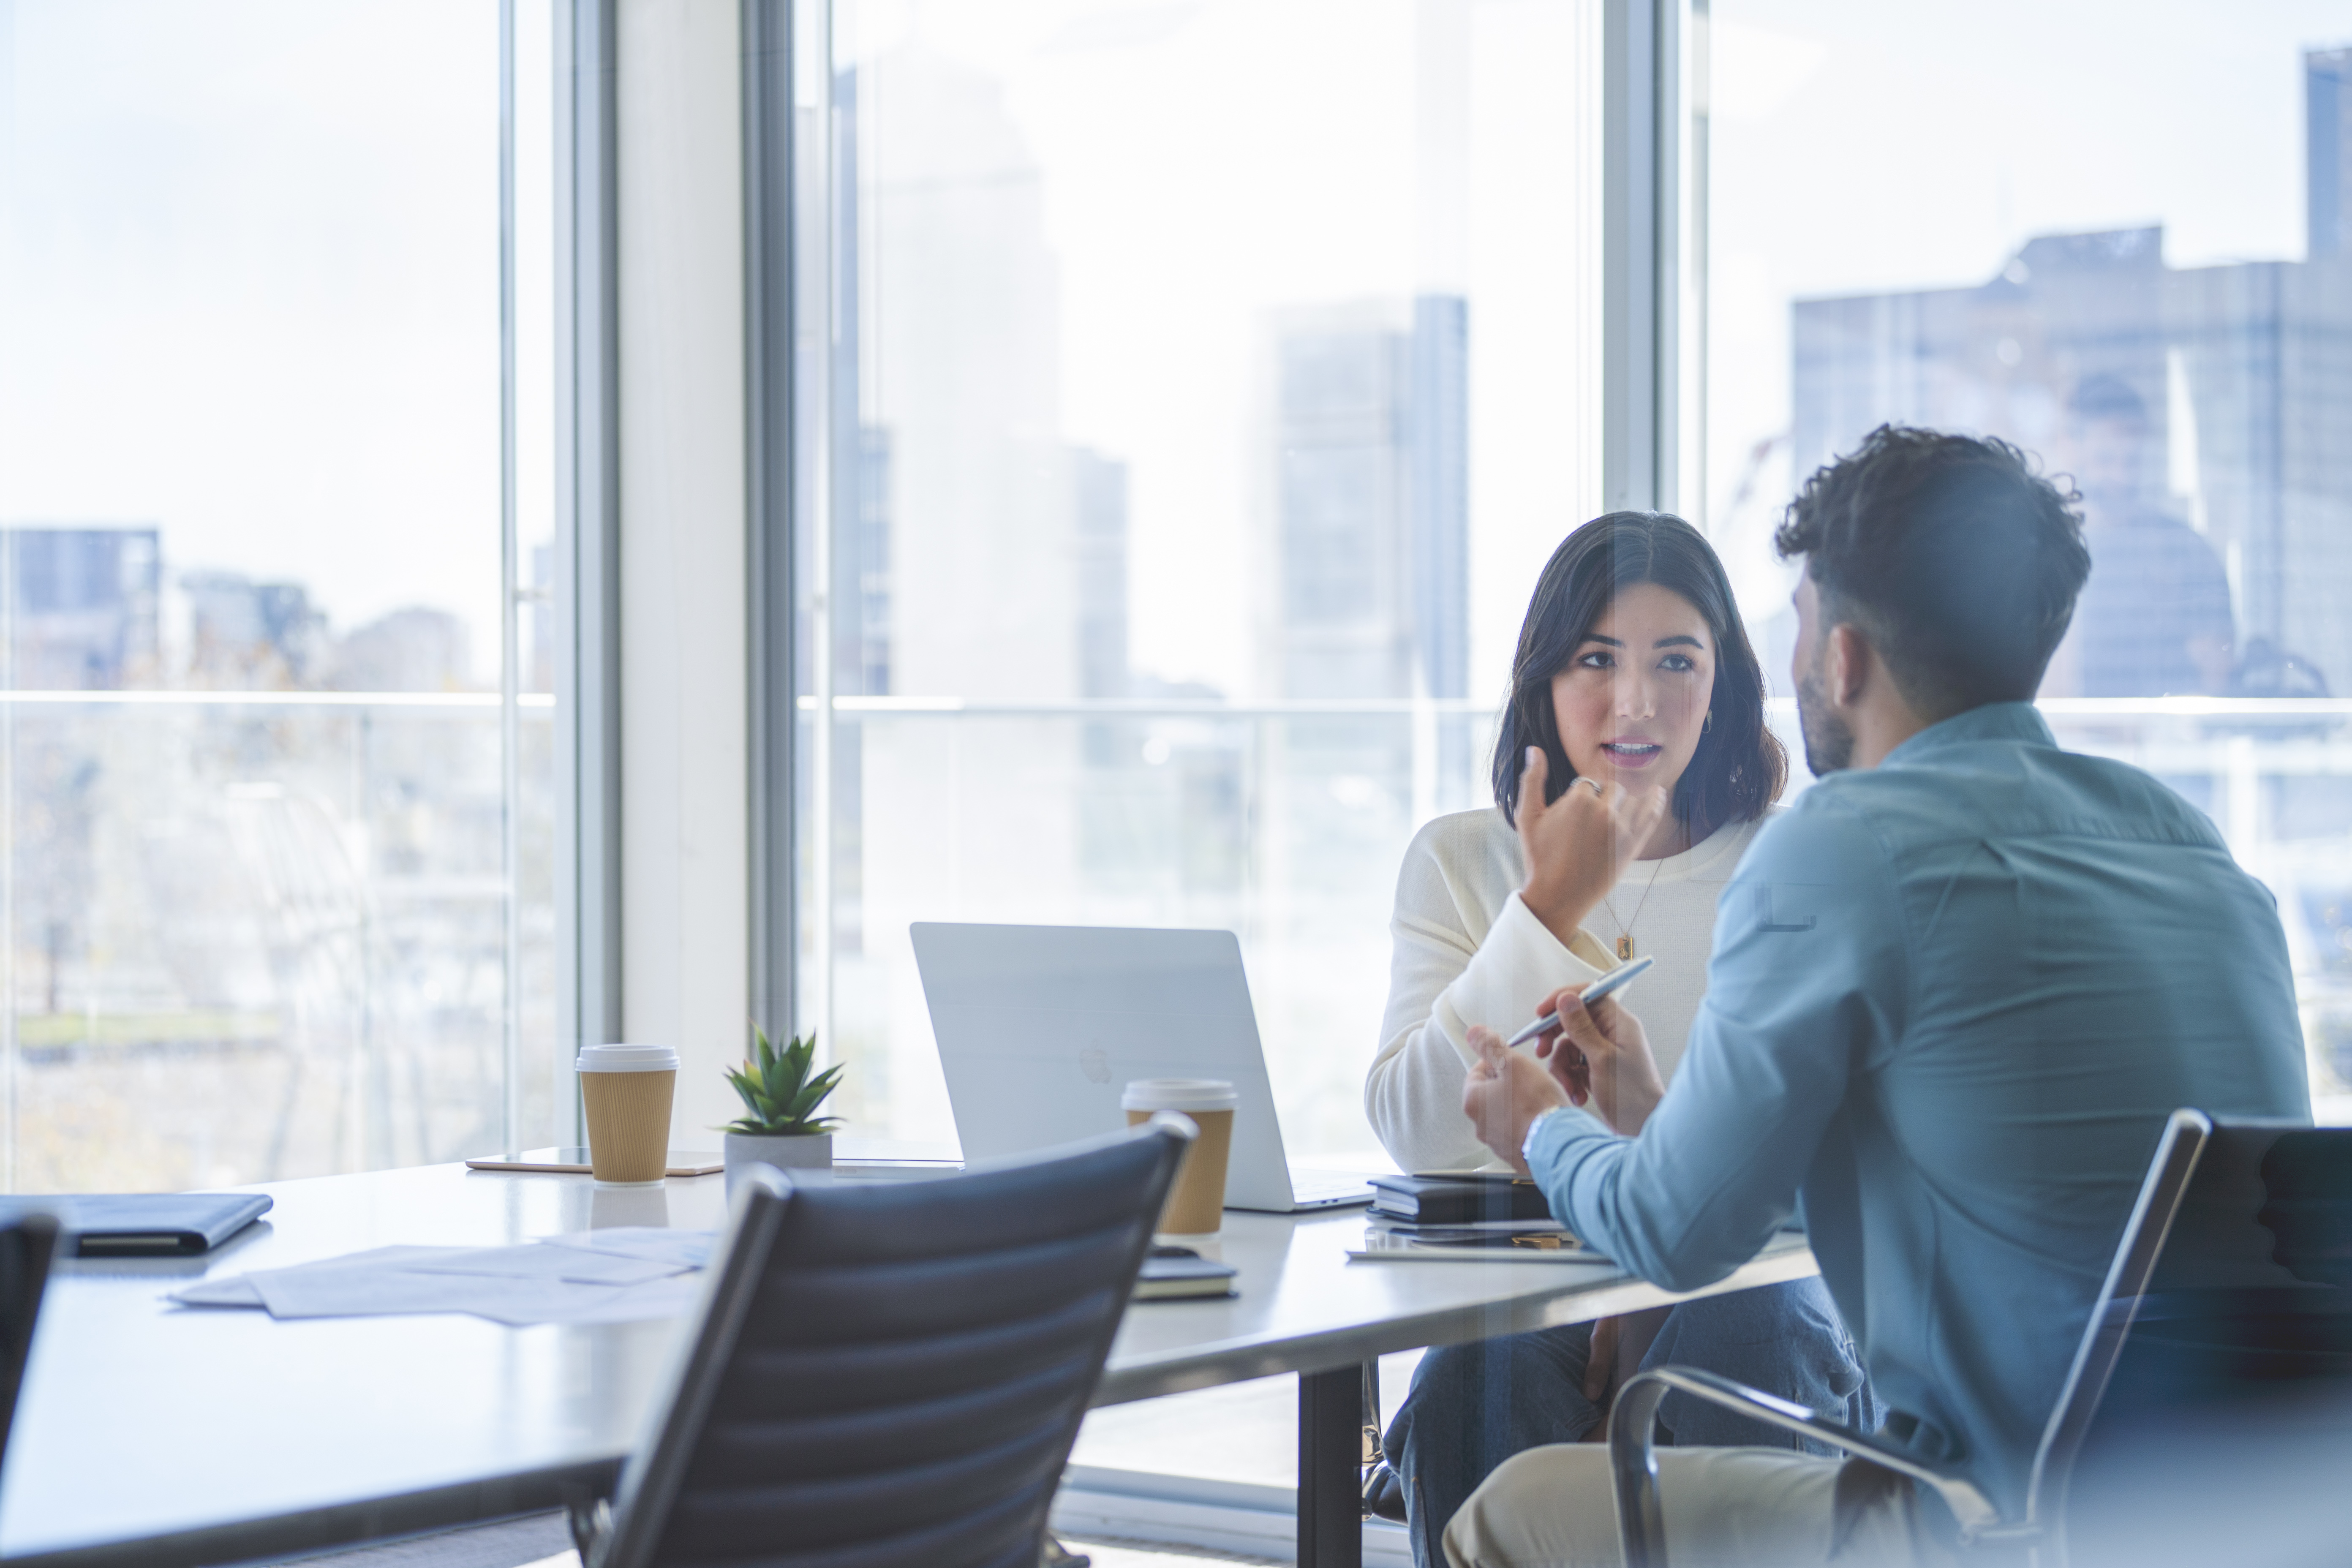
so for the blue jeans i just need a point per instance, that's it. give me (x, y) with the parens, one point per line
(1474, 1405)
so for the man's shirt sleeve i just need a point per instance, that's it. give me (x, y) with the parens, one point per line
(1805, 988)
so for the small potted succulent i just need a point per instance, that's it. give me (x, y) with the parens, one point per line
(780, 1126)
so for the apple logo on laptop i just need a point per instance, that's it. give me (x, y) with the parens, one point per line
(1095, 1062)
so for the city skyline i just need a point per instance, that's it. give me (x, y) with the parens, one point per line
(1362, 424)
(1860, 149)
(1075, 454)
(178, 329)
(99, 607)
(2244, 373)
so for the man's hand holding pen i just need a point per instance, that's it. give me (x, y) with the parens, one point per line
(1597, 1057)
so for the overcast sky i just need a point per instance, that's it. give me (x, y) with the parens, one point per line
(248, 289)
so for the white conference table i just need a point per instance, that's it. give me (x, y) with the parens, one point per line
(152, 1433)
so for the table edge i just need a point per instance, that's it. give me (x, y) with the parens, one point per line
(519, 1493)
(1241, 1361)
(378, 1522)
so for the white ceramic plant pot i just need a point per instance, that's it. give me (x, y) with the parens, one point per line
(803, 1152)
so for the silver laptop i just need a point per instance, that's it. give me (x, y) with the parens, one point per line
(1040, 1028)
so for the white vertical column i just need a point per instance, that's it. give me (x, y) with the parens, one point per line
(1695, 77)
(816, 338)
(509, 585)
(586, 498)
(685, 811)
(770, 468)
(1641, 269)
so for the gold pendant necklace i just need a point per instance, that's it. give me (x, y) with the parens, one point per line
(1625, 928)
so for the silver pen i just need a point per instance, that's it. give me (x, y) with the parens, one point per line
(1624, 974)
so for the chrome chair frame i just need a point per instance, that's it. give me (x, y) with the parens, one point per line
(1632, 1423)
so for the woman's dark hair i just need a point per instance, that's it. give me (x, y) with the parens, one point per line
(1739, 765)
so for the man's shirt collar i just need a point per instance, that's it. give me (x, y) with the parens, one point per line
(2019, 721)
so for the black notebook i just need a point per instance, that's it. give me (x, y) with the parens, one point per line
(1181, 1274)
(1458, 1199)
(144, 1225)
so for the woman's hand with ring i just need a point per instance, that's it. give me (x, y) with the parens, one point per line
(1578, 845)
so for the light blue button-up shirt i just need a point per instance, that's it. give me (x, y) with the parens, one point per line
(1952, 1000)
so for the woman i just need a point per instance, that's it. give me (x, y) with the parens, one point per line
(1633, 769)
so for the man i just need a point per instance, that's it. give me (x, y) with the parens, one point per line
(2155, 617)
(1955, 989)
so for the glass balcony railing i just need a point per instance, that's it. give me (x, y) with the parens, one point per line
(248, 935)
(1285, 822)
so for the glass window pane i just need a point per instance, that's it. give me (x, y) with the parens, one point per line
(1222, 375)
(2139, 273)
(254, 919)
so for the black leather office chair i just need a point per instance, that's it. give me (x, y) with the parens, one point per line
(890, 1375)
(25, 1248)
(2219, 1354)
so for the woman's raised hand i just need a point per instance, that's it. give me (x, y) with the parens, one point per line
(1578, 845)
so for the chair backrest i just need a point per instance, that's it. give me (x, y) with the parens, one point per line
(2239, 1243)
(890, 1375)
(26, 1245)
(2145, 1233)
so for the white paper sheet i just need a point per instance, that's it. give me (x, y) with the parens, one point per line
(687, 1248)
(1559, 1258)
(669, 1298)
(519, 1285)
(537, 1262)
(237, 1290)
(368, 1292)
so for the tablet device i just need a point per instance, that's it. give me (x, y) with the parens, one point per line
(574, 1161)
(143, 1225)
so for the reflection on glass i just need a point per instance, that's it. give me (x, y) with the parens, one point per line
(1223, 373)
(252, 890)
(2142, 275)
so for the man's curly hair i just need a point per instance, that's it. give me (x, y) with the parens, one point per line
(1956, 559)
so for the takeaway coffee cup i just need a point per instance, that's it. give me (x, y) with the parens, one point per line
(627, 1092)
(1196, 1204)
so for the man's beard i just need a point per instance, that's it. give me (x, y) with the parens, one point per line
(1829, 744)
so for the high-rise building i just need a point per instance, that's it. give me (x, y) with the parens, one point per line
(1363, 535)
(1098, 494)
(2243, 371)
(85, 606)
(862, 465)
(415, 649)
(249, 635)
(977, 554)
(539, 662)
(1438, 457)
(2327, 155)
(951, 204)
(868, 631)
(1366, 477)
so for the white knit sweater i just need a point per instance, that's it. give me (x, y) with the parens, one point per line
(1469, 952)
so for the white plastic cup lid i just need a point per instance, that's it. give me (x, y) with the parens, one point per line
(1179, 1094)
(625, 1058)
